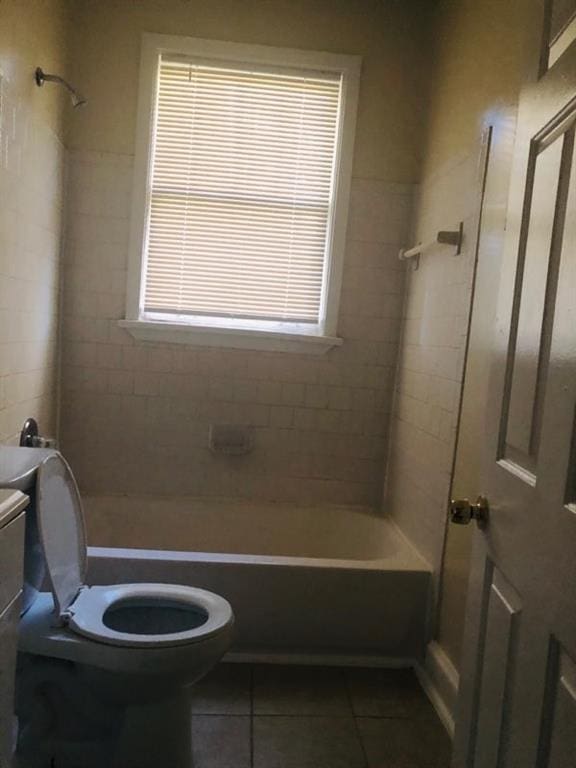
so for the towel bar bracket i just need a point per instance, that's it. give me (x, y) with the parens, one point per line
(443, 237)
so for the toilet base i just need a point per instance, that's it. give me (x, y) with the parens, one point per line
(62, 723)
(156, 734)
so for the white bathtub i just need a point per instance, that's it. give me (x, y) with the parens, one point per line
(324, 581)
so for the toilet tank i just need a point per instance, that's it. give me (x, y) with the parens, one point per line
(18, 468)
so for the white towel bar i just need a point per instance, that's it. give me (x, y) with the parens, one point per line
(443, 237)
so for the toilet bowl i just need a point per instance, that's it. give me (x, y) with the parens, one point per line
(104, 670)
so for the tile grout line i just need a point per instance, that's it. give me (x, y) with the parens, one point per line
(347, 686)
(313, 716)
(354, 718)
(308, 716)
(251, 716)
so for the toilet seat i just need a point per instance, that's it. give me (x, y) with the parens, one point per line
(86, 614)
(83, 609)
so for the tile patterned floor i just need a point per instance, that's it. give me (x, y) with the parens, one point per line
(262, 716)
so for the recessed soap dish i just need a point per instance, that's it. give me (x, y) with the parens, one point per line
(230, 439)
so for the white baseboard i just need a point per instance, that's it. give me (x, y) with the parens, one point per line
(319, 659)
(437, 675)
(439, 678)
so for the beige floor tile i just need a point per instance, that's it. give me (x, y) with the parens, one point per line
(221, 741)
(386, 693)
(224, 691)
(307, 742)
(401, 743)
(295, 690)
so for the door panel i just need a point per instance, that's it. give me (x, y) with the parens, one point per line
(570, 497)
(563, 737)
(529, 361)
(502, 625)
(562, 12)
(558, 735)
(517, 705)
(562, 28)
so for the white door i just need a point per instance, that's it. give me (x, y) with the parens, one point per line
(517, 704)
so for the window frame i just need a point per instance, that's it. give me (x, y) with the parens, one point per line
(289, 336)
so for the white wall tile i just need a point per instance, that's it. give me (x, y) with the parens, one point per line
(31, 210)
(321, 422)
(430, 364)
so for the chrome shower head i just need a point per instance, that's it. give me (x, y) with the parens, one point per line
(42, 77)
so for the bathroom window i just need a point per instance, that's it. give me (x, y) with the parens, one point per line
(242, 178)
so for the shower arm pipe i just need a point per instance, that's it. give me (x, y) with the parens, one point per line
(42, 77)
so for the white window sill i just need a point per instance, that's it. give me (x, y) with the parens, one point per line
(194, 334)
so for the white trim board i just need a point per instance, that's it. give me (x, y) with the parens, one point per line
(237, 338)
(319, 659)
(437, 675)
(349, 67)
(439, 679)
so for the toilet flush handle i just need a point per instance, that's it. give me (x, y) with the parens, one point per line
(29, 437)
(29, 434)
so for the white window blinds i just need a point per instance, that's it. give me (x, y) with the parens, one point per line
(241, 191)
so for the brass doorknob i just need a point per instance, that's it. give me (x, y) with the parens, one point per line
(463, 511)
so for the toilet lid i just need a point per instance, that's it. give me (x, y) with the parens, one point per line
(61, 527)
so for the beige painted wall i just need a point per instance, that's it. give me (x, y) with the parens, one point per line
(135, 417)
(32, 33)
(390, 36)
(477, 66)
(476, 70)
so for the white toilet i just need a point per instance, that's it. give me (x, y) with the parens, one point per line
(104, 670)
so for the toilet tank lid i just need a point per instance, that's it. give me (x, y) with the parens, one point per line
(62, 531)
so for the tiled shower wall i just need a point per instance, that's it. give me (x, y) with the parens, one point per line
(31, 195)
(431, 361)
(135, 416)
